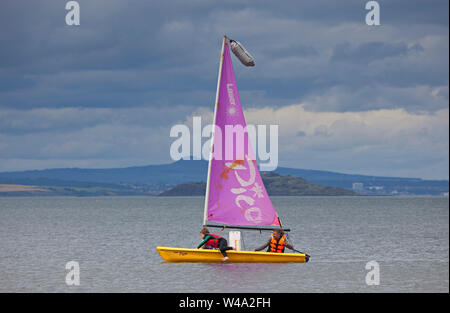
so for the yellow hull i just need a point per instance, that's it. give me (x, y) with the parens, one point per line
(206, 255)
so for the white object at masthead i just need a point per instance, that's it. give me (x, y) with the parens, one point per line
(241, 53)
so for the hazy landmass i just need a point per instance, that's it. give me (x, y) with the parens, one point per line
(155, 179)
(276, 185)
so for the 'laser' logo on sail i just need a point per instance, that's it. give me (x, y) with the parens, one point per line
(231, 94)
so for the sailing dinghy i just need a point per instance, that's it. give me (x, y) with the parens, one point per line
(235, 194)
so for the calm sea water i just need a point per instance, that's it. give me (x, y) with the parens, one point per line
(114, 241)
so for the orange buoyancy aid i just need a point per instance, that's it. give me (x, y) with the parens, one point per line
(212, 242)
(277, 246)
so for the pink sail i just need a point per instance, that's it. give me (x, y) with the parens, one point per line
(236, 194)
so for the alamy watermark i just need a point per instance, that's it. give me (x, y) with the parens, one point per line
(73, 276)
(73, 16)
(373, 274)
(233, 142)
(373, 16)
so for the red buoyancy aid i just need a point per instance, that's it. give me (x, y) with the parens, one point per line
(212, 242)
(277, 246)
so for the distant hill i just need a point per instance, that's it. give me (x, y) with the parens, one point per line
(186, 189)
(276, 185)
(174, 173)
(162, 177)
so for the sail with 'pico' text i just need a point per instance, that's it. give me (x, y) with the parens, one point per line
(235, 192)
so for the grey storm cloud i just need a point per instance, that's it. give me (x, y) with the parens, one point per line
(371, 51)
(163, 53)
(100, 94)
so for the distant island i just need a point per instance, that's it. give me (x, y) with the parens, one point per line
(276, 185)
(152, 180)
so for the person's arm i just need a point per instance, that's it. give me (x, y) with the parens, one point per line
(289, 246)
(263, 246)
(204, 241)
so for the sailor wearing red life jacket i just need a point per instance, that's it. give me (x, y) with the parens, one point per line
(211, 241)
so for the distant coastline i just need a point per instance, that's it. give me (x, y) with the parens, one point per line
(276, 185)
(153, 180)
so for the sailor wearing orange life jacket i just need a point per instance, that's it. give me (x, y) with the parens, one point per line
(276, 243)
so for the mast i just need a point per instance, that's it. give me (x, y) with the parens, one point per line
(205, 212)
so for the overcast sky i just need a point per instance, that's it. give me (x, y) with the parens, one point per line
(347, 97)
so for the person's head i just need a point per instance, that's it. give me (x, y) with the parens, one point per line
(204, 232)
(278, 233)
